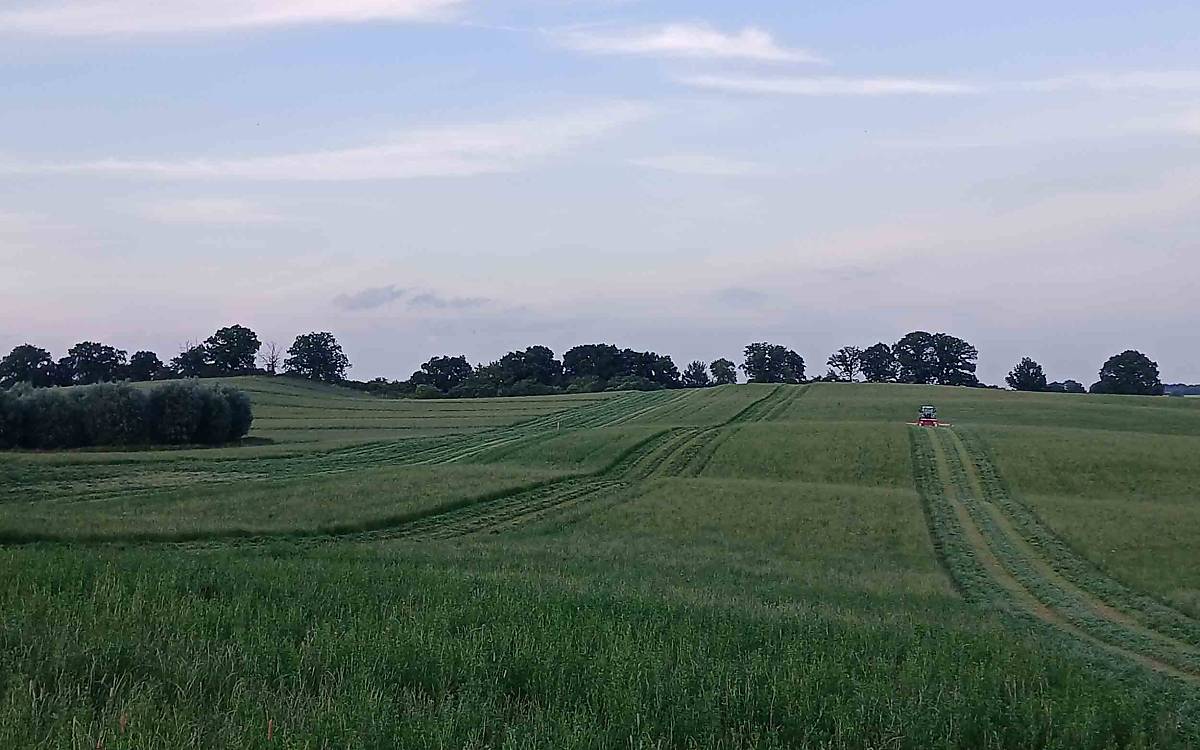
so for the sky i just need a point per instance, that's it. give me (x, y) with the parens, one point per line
(426, 177)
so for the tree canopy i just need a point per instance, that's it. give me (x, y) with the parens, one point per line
(772, 363)
(845, 363)
(317, 356)
(1129, 373)
(27, 364)
(695, 375)
(723, 372)
(1027, 376)
(232, 350)
(878, 364)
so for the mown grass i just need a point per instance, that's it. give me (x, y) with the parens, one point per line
(754, 570)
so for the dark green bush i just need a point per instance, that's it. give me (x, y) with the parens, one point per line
(241, 412)
(113, 415)
(176, 413)
(528, 387)
(10, 421)
(52, 418)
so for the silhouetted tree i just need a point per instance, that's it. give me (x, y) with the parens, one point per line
(940, 358)
(878, 364)
(90, 362)
(317, 356)
(1130, 373)
(145, 366)
(1027, 376)
(232, 350)
(695, 375)
(771, 363)
(192, 362)
(271, 357)
(723, 372)
(845, 363)
(1067, 386)
(443, 373)
(602, 361)
(27, 364)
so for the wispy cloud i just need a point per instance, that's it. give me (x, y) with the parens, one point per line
(430, 300)
(704, 165)
(208, 211)
(370, 298)
(1143, 80)
(375, 297)
(694, 40)
(124, 17)
(826, 86)
(452, 151)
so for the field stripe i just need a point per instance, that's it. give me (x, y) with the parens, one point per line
(990, 562)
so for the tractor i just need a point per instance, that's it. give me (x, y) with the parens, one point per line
(928, 418)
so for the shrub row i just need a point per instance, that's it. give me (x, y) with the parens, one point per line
(175, 413)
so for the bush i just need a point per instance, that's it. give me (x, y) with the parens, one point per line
(425, 390)
(633, 383)
(175, 413)
(10, 421)
(528, 387)
(241, 412)
(586, 384)
(113, 415)
(52, 418)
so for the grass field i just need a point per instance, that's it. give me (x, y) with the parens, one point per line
(748, 566)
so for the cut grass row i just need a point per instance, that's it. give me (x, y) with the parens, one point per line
(993, 565)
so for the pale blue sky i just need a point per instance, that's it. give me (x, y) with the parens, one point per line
(457, 176)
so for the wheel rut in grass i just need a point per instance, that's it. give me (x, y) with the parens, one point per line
(672, 453)
(994, 559)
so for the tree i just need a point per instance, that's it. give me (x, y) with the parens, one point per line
(1130, 373)
(1027, 376)
(846, 363)
(145, 366)
(695, 375)
(601, 361)
(90, 362)
(771, 363)
(923, 357)
(1067, 386)
(192, 362)
(443, 373)
(27, 364)
(536, 363)
(723, 372)
(271, 356)
(915, 358)
(878, 364)
(954, 360)
(317, 356)
(232, 350)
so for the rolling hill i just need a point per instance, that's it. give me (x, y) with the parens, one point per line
(743, 566)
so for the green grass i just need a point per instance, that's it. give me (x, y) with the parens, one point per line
(738, 567)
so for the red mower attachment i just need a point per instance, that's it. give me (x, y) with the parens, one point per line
(928, 418)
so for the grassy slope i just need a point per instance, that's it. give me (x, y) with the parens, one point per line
(786, 596)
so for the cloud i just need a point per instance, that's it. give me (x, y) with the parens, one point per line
(124, 17)
(375, 297)
(208, 211)
(703, 165)
(434, 301)
(826, 86)
(451, 151)
(371, 298)
(684, 40)
(1143, 80)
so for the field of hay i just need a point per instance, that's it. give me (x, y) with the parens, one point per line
(749, 566)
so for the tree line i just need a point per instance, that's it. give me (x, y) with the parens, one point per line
(233, 350)
(919, 357)
(111, 414)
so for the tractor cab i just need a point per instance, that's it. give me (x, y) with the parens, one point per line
(928, 417)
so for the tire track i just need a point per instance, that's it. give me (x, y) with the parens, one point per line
(991, 562)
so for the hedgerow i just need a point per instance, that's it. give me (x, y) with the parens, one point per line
(175, 413)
